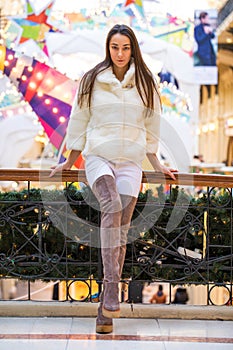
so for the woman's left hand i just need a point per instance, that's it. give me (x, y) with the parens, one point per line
(167, 171)
(159, 167)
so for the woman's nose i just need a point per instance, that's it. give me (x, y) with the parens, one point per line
(120, 53)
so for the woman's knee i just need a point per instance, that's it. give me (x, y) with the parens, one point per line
(107, 195)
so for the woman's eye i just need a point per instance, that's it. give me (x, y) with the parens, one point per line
(114, 47)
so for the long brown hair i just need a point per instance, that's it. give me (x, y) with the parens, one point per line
(144, 80)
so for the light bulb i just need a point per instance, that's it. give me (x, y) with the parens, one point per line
(32, 85)
(62, 119)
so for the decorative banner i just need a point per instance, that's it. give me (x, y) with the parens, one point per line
(12, 33)
(31, 30)
(205, 46)
(175, 102)
(49, 92)
(43, 18)
(173, 30)
(38, 6)
(33, 27)
(138, 4)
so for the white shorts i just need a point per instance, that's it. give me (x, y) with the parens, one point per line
(128, 175)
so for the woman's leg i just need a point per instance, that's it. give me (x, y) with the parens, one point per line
(126, 208)
(128, 205)
(103, 324)
(109, 199)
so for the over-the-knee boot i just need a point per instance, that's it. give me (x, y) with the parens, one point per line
(110, 206)
(103, 324)
(128, 205)
(111, 305)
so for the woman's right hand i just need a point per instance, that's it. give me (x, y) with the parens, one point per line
(67, 165)
(59, 168)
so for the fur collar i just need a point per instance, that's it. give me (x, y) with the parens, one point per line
(108, 77)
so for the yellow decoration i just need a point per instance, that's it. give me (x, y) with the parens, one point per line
(2, 57)
(78, 290)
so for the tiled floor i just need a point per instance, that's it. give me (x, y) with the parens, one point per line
(131, 334)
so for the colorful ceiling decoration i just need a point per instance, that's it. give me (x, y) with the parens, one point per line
(174, 101)
(138, 5)
(35, 26)
(164, 26)
(43, 88)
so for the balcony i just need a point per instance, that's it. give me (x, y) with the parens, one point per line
(181, 233)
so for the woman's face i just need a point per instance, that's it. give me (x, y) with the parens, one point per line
(120, 50)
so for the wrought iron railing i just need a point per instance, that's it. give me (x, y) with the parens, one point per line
(181, 232)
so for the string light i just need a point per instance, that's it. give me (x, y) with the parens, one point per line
(62, 119)
(212, 126)
(20, 110)
(49, 82)
(229, 123)
(55, 110)
(32, 85)
(39, 75)
(205, 128)
(10, 113)
(47, 101)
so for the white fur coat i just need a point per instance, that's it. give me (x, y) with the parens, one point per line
(116, 126)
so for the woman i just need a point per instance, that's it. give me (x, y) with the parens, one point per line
(114, 124)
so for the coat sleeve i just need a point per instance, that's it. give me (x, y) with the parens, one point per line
(76, 130)
(152, 124)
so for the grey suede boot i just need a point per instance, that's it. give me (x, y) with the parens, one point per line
(103, 324)
(128, 205)
(110, 205)
(116, 213)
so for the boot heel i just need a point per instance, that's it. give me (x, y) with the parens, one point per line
(104, 328)
(111, 313)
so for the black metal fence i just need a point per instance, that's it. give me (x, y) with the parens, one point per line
(180, 234)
